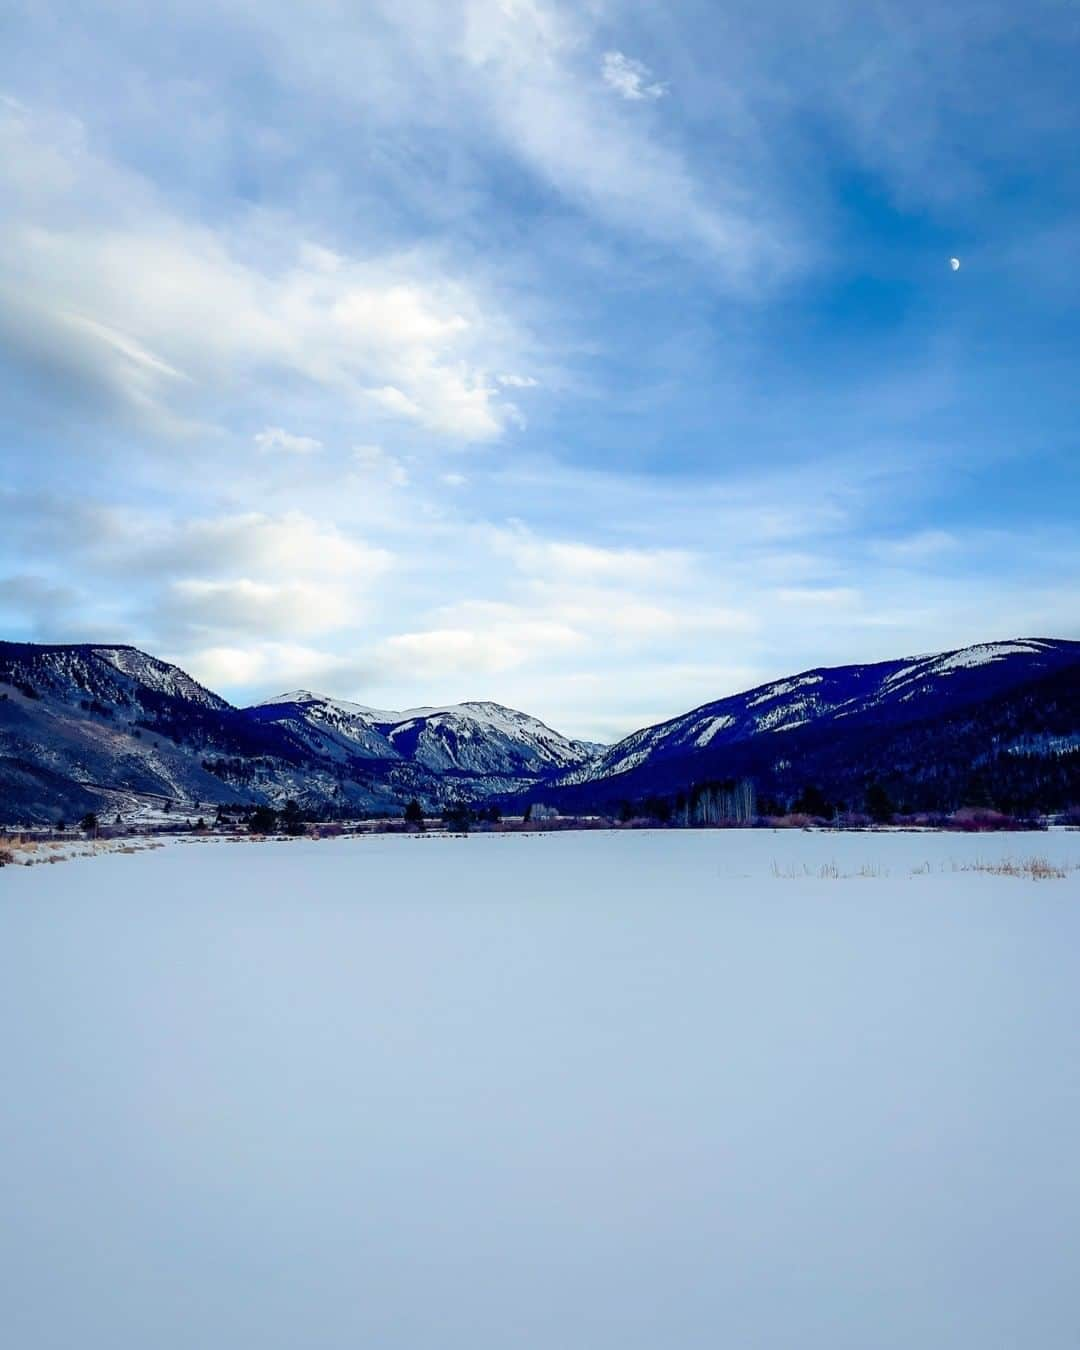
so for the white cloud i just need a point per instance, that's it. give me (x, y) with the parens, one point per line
(505, 644)
(251, 544)
(526, 59)
(922, 546)
(577, 561)
(165, 316)
(374, 463)
(630, 79)
(277, 438)
(272, 665)
(242, 605)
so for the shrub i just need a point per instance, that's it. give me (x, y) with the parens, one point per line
(981, 820)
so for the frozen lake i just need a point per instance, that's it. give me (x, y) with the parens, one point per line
(560, 1092)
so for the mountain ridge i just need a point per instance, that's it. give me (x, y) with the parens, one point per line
(111, 725)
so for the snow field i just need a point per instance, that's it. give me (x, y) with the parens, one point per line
(692, 1089)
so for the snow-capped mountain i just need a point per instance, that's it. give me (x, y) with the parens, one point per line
(102, 727)
(109, 728)
(120, 677)
(470, 738)
(887, 691)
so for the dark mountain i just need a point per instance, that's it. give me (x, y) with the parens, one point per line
(995, 723)
(113, 730)
(110, 729)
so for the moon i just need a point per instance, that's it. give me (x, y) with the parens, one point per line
(954, 263)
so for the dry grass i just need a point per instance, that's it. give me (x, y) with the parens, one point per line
(26, 852)
(1029, 869)
(1034, 868)
(829, 871)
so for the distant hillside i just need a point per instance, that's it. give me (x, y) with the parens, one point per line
(111, 729)
(995, 722)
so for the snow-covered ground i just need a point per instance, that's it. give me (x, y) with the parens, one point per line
(549, 1092)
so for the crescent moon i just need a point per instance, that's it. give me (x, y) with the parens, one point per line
(954, 263)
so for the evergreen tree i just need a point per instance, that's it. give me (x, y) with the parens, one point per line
(813, 802)
(292, 820)
(879, 805)
(262, 820)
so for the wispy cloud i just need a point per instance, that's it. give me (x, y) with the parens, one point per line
(277, 438)
(619, 400)
(630, 79)
(170, 317)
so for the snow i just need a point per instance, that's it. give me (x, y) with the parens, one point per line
(624, 763)
(772, 691)
(614, 1090)
(158, 675)
(787, 715)
(474, 721)
(967, 658)
(711, 728)
(339, 705)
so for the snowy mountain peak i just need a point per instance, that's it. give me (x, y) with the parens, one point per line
(479, 736)
(886, 692)
(110, 675)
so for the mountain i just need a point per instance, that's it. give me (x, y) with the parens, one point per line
(841, 729)
(113, 730)
(469, 739)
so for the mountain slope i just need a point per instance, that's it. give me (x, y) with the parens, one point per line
(98, 728)
(815, 726)
(481, 739)
(110, 728)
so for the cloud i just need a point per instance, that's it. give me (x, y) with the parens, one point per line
(574, 560)
(251, 544)
(526, 59)
(271, 667)
(195, 606)
(922, 546)
(277, 438)
(36, 602)
(504, 644)
(630, 79)
(373, 463)
(108, 290)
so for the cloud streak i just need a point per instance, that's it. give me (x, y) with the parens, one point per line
(630, 79)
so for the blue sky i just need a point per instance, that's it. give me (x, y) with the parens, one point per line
(600, 359)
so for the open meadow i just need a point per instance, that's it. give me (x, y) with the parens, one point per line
(544, 1091)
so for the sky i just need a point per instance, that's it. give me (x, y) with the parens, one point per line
(601, 359)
